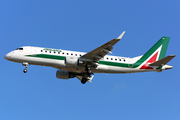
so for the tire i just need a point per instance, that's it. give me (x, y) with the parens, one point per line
(83, 81)
(25, 70)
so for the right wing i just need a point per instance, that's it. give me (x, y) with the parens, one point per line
(98, 53)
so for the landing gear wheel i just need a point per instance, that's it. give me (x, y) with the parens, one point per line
(25, 70)
(84, 80)
(26, 65)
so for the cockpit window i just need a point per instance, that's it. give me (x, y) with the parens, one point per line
(19, 49)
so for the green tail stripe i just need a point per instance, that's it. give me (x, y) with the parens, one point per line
(164, 41)
(164, 47)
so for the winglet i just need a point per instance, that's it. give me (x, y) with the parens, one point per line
(121, 35)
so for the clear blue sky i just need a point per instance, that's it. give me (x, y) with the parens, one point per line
(82, 26)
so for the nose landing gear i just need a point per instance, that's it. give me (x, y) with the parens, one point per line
(26, 65)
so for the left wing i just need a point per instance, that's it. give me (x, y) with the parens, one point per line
(98, 53)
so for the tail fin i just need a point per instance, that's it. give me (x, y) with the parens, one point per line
(155, 53)
(159, 48)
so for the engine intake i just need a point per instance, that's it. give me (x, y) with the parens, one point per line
(64, 74)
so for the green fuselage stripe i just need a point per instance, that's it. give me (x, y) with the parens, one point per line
(47, 56)
(117, 64)
(56, 57)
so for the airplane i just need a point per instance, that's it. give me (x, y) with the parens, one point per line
(83, 65)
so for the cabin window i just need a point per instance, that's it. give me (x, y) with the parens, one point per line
(71, 54)
(45, 51)
(111, 58)
(63, 53)
(49, 51)
(75, 54)
(67, 53)
(58, 52)
(79, 55)
(119, 59)
(41, 50)
(116, 59)
(54, 52)
(107, 58)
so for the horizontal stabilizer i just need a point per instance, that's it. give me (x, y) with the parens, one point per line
(162, 61)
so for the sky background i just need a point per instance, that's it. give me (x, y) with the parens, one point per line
(83, 25)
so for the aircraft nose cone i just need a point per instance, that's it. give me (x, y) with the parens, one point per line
(7, 56)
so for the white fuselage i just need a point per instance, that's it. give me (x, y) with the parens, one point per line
(55, 58)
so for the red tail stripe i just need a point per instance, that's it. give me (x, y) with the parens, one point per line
(153, 59)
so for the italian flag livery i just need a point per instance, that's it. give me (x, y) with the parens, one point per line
(154, 54)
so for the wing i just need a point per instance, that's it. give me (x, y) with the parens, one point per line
(98, 53)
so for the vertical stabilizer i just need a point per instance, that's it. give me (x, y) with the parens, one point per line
(155, 53)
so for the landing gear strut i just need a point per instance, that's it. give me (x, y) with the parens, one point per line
(88, 69)
(26, 65)
(87, 76)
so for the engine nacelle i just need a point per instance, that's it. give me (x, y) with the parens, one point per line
(71, 60)
(64, 74)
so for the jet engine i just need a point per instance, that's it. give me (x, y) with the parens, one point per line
(71, 61)
(64, 74)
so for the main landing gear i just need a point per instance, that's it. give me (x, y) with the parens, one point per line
(87, 77)
(84, 80)
(88, 69)
(26, 65)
